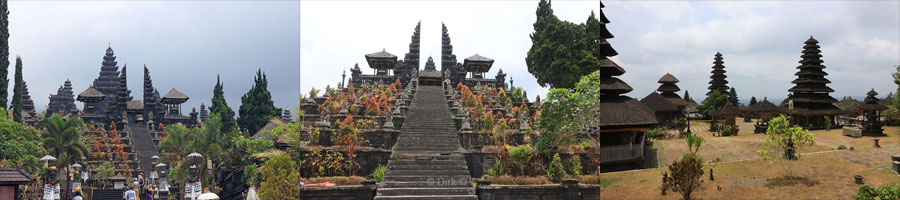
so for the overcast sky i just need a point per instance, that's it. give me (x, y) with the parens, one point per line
(184, 44)
(760, 41)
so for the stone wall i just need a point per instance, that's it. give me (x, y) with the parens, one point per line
(364, 191)
(569, 190)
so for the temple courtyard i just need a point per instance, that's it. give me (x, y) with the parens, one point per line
(823, 171)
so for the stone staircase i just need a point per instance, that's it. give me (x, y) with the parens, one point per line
(425, 163)
(144, 147)
(107, 195)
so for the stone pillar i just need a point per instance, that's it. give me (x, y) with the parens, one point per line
(369, 188)
(572, 190)
(483, 189)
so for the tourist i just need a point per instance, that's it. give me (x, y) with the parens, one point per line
(129, 194)
(77, 194)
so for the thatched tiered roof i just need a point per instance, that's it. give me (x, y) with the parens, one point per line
(871, 103)
(718, 82)
(658, 103)
(810, 94)
(727, 110)
(668, 89)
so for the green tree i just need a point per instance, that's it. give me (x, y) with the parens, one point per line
(564, 112)
(280, 178)
(178, 143)
(62, 139)
(713, 101)
(17, 92)
(4, 52)
(787, 139)
(556, 170)
(562, 52)
(20, 144)
(219, 106)
(104, 171)
(257, 107)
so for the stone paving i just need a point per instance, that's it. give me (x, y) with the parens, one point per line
(873, 158)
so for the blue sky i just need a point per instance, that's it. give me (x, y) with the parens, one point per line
(761, 41)
(184, 44)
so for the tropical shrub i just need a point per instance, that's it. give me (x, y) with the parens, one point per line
(887, 191)
(378, 174)
(728, 130)
(556, 170)
(685, 175)
(575, 164)
(656, 133)
(280, 178)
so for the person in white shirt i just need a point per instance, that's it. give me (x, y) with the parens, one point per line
(130, 195)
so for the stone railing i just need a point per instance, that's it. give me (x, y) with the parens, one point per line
(621, 152)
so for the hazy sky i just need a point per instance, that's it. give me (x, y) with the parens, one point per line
(184, 44)
(761, 41)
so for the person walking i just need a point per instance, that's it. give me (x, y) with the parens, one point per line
(130, 195)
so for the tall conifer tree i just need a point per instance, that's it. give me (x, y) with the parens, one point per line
(219, 106)
(4, 52)
(17, 92)
(257, 107)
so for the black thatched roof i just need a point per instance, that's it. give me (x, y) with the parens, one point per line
(764, 106)
(90, 92)
(14, 176)
(726, 110)
(480, 58)
(135, 105)
(675, 99)
(381, 54)
(658, 103)
(613, 85)
(871, 103)
(623, 110)
(668, 78)
(175, 94)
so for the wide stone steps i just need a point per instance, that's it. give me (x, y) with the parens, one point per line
(416, 178)
(405, 172)
(424, 163)
(144, 146)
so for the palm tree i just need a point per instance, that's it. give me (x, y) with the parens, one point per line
(62, 138)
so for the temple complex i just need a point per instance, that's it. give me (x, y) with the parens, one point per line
(109, 100)
(718, 82)
(63, 102)
(811, 102)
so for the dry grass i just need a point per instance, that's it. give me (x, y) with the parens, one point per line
(337, 180)
(815, 176)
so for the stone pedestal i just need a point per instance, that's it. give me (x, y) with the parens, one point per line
(852, 132)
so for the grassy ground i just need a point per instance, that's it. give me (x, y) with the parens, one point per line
(821, 176)
(821, 173)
